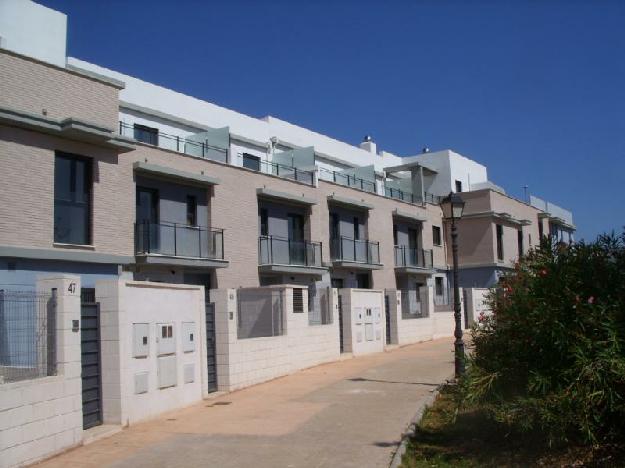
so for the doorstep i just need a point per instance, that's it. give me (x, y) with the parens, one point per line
(99, 432)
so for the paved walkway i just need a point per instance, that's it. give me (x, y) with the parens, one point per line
(345, 414)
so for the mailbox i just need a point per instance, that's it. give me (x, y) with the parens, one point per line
(189, 337)
(140, 340)
(165, 339)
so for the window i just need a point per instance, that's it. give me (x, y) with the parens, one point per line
(436, 235)
(264, 222)
(251, 162)
(540, 229)
(520, 241)
(146, 134)
(298, 300)
(458, 186)
(356, 228)
(395, 234)
(334, 226)
(438, 284)
(72, 200)
(191, 210)
(499, 242)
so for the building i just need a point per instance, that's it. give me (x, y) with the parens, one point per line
(111, 180)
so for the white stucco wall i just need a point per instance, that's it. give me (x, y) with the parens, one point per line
(245, 362)
(33, 30)
(126, 303)
(363, 333)
(41, 417)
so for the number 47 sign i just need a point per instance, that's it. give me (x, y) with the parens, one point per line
(71, 288)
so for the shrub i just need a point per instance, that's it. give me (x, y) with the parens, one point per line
(552, 355)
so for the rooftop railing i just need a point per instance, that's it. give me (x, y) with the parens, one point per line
(347, 249)
(347, 180)
(280, 170)
(275, 250)
(179, 240)
(173, 142)
(411, 257)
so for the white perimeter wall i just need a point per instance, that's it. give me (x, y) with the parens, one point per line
(126, 303)
(41, 417)
(241, 363)
(363, 320)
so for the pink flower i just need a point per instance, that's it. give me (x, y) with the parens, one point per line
(591, 300)
(543, 272)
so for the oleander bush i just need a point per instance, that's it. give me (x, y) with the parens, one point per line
(551, 358)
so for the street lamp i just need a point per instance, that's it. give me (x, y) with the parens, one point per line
(452, 206)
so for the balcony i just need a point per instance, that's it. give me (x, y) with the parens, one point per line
(282, 255)
(355, 253)
(347, 180)
(186, 145)
(279, 170)
(398, 194)
(409, 260)
(179, 244)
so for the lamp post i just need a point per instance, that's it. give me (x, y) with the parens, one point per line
(452, 206)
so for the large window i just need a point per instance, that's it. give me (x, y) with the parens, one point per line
(263, 214)
(146, 134)
(356, 228)
(251, 162)
(436, 235)
(499, 242)
(458, 186)
(520, 241)
(72, 200)
(191, 210)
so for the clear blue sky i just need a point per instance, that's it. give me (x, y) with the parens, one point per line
(535, 90)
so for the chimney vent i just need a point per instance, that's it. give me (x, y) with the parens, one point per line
(425, 150)
(368, 144)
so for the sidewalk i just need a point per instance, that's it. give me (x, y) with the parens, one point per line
(345, 414)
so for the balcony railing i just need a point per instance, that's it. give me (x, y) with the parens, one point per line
(347, 249)
(173, 142)
(398, 194)
(274, 250)
(418, 258)
(179, 240)
(347, 180)
(281, 170)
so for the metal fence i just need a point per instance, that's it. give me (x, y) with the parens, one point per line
(179, 240)
(260, 313)
(319, 310)
(283, 251)
(411, 304)
(347, 180)
(27, 335)
(355, 250)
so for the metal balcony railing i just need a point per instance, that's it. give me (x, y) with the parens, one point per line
(407, 257)
(274, 250)
(398, 194)
(179, 240)
(173, 142)
(281, 170)
(347, 180)
(354, 250)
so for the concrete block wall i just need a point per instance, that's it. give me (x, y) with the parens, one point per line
(476, 303)
(245, 362)
(41, 417)
(126, 303)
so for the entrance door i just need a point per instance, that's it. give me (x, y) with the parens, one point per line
(362, 280)
(341, 346)
(148, 235)
(90, 359)
(387, 313)
(211, 351)
(297, 249)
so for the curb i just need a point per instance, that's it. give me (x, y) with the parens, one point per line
(416, 419)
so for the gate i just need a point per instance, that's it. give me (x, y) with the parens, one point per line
(387, 314)
(211, 351)
(90, 358)
(341, 323)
